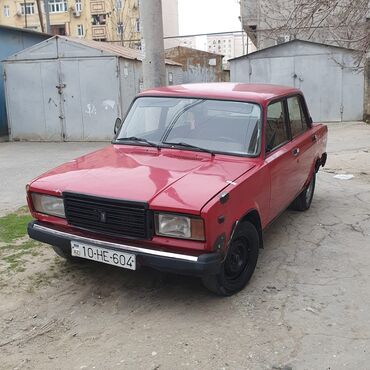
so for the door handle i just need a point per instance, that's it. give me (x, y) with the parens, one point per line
(314, 138)
(295, 152)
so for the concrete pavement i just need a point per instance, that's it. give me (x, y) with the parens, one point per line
(306, 307)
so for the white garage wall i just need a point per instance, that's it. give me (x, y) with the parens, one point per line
(333, 87)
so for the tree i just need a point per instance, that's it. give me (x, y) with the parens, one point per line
(342, 23)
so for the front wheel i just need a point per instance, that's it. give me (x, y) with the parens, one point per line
(304, 200)
(239, 264)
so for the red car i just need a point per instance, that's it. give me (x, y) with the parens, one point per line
(194, 174)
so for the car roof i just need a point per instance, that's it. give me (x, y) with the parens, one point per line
(257, 93)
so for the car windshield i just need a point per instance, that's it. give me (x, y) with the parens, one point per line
(217, 126)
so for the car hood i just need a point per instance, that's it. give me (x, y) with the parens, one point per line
(167, 179)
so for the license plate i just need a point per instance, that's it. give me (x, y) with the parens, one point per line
(99, 254)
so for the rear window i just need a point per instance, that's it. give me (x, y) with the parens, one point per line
(298, 123)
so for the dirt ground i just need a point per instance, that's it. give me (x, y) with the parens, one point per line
(306, 307)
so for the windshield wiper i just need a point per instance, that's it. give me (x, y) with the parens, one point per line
(186, 145)
(139, 139)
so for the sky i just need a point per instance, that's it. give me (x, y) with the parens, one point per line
(206, 16)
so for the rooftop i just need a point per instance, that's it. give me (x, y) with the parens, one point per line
(287, 44)
(224, 90)
(23, 30)
(118, 50)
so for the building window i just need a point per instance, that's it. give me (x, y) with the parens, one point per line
(119, 28)
(118, 4)
(138, 25)
(98, 19)
(80, 30)
(170, 78)
(78, 6)
(6, 11)
(27, 8)
(58, 29)
(57, 6)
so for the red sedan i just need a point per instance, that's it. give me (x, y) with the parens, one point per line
(193, 176)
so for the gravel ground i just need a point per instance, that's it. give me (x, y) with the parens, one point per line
(307, 306)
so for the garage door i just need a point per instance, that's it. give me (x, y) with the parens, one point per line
(68, 100)
(333, 92)
(320, 79)
(33, 102)
(90, 98)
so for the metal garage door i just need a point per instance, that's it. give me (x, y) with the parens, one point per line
(69, 100)
(333, 92)
(33, 102)
(90, 98)
(321, 82)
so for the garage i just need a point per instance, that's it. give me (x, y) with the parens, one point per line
(329, 76)
(71, 89)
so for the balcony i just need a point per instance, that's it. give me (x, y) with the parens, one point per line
(97, 7)
(99, 32)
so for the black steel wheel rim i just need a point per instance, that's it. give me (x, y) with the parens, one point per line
(237, 259)
(309, 191)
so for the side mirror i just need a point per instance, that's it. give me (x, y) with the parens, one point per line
(117, 125)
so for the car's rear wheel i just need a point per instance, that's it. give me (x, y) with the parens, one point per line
(239, 264)
(304, 200)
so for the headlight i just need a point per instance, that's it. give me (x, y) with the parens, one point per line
(177, 226)
(48, 204)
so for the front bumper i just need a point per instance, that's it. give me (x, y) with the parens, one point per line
(202, 265)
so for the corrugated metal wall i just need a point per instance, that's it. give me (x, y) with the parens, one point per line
(333, 86)
(70, 91)
(12, 41)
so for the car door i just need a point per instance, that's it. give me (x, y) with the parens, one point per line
(302, 139)
(278, 157)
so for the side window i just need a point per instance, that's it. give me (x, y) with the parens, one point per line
(276, 132)
(297, 118)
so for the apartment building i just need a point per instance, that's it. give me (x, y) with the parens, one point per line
(340, 23)
(229, 45)
(101, 20)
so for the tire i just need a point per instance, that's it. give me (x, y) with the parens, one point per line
(239, 264)
(303, 201)
(67, 255)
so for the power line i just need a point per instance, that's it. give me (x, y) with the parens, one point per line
(254, 31)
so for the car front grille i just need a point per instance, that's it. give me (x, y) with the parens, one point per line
(108, 216)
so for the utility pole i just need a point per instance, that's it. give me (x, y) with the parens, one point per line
(47, 16)
(39, 10)
(154, 72)
(25, 14)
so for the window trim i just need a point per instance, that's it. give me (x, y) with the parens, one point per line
(6, 11)
(58, 3)
(78, 6)
(287, 127)
(28, 5)
(303, 110)
(78, 28)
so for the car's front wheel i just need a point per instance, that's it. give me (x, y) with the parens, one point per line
(239, 264)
